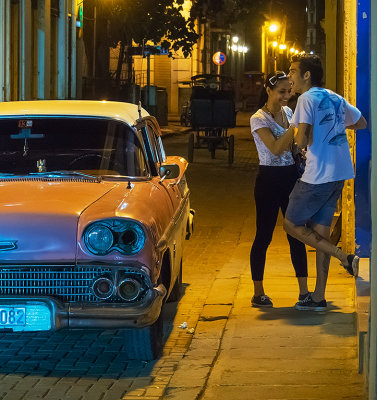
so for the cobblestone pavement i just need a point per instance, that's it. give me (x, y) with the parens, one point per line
(92, 365)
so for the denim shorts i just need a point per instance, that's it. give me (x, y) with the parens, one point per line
(310, 203)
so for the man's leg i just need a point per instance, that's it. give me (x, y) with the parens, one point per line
(315, 238)
(322, 265)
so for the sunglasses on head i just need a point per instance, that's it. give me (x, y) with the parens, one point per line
(273, 80)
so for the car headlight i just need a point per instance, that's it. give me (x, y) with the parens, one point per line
(125, 236)
(99, 239)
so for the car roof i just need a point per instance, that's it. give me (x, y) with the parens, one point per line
(126, 112)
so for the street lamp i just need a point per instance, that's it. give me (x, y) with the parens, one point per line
(235, 39)
(273, 27)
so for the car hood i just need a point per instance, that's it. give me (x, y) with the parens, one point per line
(38, 220)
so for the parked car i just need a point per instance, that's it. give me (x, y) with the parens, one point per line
(93, 218)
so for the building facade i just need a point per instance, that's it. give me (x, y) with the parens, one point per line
(41, 50)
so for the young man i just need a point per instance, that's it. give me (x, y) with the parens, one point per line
(321, 118)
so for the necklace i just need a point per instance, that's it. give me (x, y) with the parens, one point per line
(273, 115)
(283, 122)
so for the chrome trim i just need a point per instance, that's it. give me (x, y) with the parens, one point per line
(7, 245)
(162, 243)
(101, 316)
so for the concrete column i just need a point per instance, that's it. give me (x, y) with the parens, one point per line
(62, 50)
(25, 56)
(331, 43)
(373, 179)
(44, 34)
(348, 196)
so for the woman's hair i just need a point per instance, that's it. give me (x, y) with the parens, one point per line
(313, 64)
(271, 80)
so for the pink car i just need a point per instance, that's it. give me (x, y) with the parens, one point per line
(93, 220)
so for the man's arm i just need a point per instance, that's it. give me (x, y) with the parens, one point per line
(303, 136)
(360, 124)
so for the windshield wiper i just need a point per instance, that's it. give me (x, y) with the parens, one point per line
(58, 174)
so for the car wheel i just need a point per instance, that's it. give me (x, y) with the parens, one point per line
(176, 292)
(231, 149)
(145, 344)
(190, 153)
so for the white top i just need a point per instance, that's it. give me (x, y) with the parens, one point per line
(263, 120)
(328, 158)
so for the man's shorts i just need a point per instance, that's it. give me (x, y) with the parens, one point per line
(310, 203)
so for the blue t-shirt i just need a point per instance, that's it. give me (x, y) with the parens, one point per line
(328, 158)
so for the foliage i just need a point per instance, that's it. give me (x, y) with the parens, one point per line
(150, 20)
(224, 13)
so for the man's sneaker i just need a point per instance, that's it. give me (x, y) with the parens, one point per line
(311, 305)
(353, 265)
(261, 301)
(302, 297)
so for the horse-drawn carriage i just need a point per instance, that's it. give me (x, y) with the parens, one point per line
(212, 112)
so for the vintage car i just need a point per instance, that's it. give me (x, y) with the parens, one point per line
(93, 220)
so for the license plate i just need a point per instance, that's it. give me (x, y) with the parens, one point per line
(12, 316)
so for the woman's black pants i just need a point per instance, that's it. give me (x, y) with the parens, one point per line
(272, 188)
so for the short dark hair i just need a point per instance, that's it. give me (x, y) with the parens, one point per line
(311, 63)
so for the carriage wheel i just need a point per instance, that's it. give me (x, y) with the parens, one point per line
(231, 149)
(190, 153)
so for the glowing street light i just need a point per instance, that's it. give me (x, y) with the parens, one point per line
(296, 51)
(274, 44)
(292, 50)
(235, 39)
(282, 46)
(273, 28)
(234, 47)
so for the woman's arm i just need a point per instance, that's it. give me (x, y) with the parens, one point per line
(276, 146)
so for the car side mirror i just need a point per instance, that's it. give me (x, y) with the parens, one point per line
(169, 171)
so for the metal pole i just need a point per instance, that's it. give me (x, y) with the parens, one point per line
(148, 78)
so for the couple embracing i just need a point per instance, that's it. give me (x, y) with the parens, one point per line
(308, 203)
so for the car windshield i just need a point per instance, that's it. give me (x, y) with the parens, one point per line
(94, 146)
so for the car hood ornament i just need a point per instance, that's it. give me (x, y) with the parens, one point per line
(6, 245)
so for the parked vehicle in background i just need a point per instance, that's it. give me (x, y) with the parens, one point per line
(93, 220)
(212, 111)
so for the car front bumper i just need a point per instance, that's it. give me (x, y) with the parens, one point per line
(46, 313)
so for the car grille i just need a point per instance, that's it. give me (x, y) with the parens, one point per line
(68, 284)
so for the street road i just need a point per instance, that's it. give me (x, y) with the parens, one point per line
(92, 365)
(229, 350)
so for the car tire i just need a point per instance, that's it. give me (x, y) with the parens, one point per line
(145, 344)
(176, 292)
(190, 153)
(231, 149)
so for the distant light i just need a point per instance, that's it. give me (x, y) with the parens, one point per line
(303, 52)
(273, 28)
(274, 44)
(245, 49)
(312, 52)
(240, 49)
(282, 46)
(292, 50)
(235, 39)
(234, 47)
(296, 51)
(306, 9)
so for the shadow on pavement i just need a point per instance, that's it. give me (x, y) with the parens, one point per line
(92, 353)
(331, 321)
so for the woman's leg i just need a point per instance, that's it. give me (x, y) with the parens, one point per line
(297, 248)
(267, 208)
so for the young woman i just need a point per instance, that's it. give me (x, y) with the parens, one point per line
(277, 175)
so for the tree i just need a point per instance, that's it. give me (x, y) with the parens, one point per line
(140, 21)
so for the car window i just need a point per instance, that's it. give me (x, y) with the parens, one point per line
(95, 145)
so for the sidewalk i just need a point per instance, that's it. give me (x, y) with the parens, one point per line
(244, 353)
